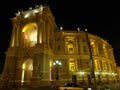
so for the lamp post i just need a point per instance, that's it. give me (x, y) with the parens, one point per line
(57, 64)
(91, 61)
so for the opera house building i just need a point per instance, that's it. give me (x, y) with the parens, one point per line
(40, 54)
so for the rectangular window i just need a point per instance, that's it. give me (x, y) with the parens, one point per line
(72, 65)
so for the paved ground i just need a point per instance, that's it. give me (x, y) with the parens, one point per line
(115, 86)
(27, 88)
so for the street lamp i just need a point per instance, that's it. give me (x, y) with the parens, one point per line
(91, 62)
(57, 64)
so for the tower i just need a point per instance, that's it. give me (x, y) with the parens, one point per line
(29, 55)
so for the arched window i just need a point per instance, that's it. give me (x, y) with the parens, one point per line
(70, 49)
(29, 33)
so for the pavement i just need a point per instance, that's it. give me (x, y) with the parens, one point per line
(115, 86)
(29, 88)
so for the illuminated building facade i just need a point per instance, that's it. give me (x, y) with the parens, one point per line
(36, 44)
(118, 73)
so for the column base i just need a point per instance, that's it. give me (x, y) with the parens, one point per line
(35, 82)
(38, 82)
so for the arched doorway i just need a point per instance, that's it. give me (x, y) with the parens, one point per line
(29, 35)
(27, 68)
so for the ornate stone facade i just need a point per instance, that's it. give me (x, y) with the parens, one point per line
(36, 44)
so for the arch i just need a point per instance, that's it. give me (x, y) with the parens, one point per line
(27, 68)
(70, 48)
(29, 34)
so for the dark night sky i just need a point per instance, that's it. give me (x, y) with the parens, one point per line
(100, 18)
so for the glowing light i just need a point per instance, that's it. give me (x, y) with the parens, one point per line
(57, 63)
(82, 73)
(97, 73)
(41, 7)
(50, 75)
(61, 28)
(27, 15)
(50, 64)
(25, 35)
(22, 77)
(23, 66)
(78, 29)
(85, 29)
(23, 73)
(33, 36)
(50, 71)
(35, 11)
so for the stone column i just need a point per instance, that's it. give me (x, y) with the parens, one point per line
(14, 37)
(38, 34)
(47, 32)
(37, 74)
(40, 29)
(41, 70)
(43, 32)
(17, 36)
(13, 34)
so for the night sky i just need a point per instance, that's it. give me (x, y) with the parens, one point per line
(100, 18)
